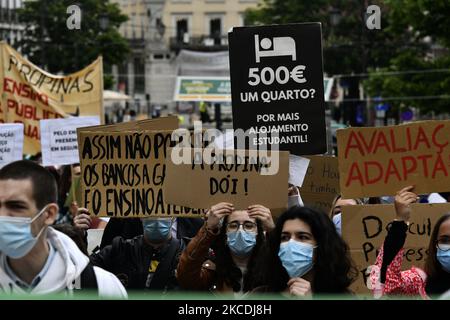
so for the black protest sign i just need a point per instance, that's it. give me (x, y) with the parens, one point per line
(277, 86)
(122, 174)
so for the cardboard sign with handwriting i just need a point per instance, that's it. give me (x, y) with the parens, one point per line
(364, 228)
(380, 161)
(321, 184)
(123, 172)
(241, 183)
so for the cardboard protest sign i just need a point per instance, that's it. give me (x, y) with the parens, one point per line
(277, 85)
(162, 123)
(381, 161)
(59, 139)
(11, 143)
(364, 228)
(241, 183)
(321, 184)
(122, 174)
(30, 94)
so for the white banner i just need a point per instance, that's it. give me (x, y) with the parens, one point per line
(59, 139)
(11, 143)
(297, 169)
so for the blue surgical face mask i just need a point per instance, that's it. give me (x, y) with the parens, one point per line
(337, 223)
(157, 229)
(296, 257)
(443, 256)
(241, 243)
(16, 239)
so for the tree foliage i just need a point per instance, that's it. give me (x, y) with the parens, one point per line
(410, 31)
(49, 43)
(417, 77)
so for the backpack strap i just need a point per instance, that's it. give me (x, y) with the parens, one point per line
(165, 267)
(88, 279)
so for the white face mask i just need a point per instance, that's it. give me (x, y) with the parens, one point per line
(16, 239)
(295, 200)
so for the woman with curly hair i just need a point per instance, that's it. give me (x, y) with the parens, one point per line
(223, 255)
(307, 256)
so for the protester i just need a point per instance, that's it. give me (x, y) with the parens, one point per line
(35, 258)
(386, 277)
(307, 256)
(64, 186)
(73, 233)
(336, 211)
(147, 261)
(132, 227)
(232, 238)
(83, 220)
(294, 198)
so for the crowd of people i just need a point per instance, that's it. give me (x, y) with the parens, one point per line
(299, 254)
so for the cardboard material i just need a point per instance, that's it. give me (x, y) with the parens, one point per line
(163, 123)
(364, 228)
(277, 86)
(30, 94)
(123, 171)
(202, 186)
(380, 161)
(321, 184)
(11, 143)
(123, 174)
(59, 139)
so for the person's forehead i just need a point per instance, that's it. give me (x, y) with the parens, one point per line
(444, 229)
(345, 202)
(241, 216)
(12, 189)
(295, 225)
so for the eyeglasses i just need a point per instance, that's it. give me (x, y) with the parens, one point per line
(247, 225)
(444, 244)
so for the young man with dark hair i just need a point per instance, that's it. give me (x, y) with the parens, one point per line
(35, 258)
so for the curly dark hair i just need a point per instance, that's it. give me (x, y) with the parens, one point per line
(226, 270)
(334, 269)
(438, 279)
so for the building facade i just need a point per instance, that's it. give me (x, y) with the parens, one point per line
(11, 30)
(203, 24)
(158, 30)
